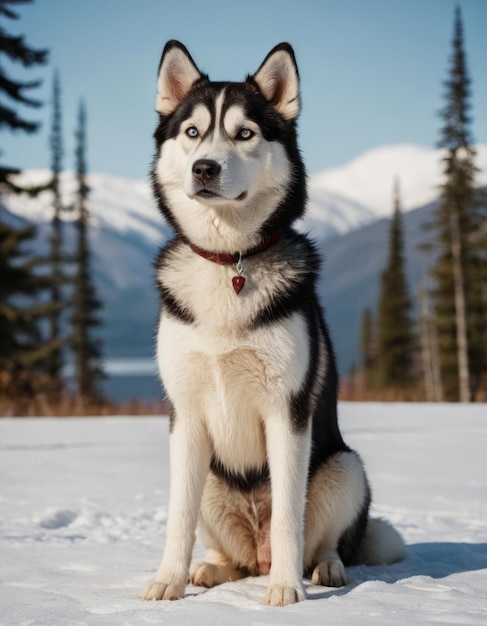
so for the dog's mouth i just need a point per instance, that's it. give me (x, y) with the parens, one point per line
(207, 195)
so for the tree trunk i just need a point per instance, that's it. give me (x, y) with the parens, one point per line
(460, 309)
(429, 351)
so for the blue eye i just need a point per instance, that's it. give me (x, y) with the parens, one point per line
(245, 134)
(192, 132)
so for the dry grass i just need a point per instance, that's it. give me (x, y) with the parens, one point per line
(76, 406)
(41, 400)
(23, 395)
(353, 389)
(41, 397)
(350, 393)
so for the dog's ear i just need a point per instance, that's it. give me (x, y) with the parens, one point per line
(177, 74)
(278, 80)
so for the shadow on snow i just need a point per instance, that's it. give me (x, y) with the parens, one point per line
(435, 560)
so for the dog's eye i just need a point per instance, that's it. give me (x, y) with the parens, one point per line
(192, 132)
(245, 134)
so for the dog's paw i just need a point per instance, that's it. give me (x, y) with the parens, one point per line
(163, 591)
(210, 574)
(280, 595)
(206, 575)
(330, 573)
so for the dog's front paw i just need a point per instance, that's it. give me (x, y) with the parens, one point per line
(330, 573)
(163, 591)
(280, 595)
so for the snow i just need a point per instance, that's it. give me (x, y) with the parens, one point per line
(330, 214)
(341, 199)
(369, 179)
(83, 506)
(116, 203)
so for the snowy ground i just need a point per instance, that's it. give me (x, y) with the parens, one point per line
(83, 508)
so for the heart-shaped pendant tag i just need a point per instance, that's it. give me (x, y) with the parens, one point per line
(238, 282)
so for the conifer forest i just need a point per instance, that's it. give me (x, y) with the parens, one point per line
(442, 354)
(426, 344)
(38, 294)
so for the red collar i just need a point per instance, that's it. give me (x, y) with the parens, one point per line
(227, 258)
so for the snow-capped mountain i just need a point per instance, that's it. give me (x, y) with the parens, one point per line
(369, 179)
(126, 233)
(120, 204)
(344, 217)
(341, 199)
(330, 214)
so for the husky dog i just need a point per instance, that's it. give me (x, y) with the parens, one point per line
(257, 458)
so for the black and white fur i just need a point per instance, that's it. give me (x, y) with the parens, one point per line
(257, 458)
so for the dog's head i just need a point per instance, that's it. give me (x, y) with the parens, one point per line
(227, 169)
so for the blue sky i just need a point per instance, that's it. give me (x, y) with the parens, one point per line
(372, 70)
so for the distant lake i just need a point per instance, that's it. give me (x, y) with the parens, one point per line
(129, 378)
(145, 388)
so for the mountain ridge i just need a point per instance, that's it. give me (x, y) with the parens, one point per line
(350, 233)
(369, 178)
(340, 198)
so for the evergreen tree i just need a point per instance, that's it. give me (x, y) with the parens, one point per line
(13, 92)
(395, 338)
(87, 348)
(460, 271)
(23, 351)
(17, 333)
(56, 260)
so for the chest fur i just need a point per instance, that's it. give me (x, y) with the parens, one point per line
(232, 360)
(233, 382)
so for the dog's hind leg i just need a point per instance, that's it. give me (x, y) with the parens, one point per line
(330, 571)
(336, 518)
(227, 527)
(215, 570)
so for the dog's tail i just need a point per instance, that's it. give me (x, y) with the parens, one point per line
(381, 545)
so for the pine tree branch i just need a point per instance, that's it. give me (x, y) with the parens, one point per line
(5, 10)
(15, 48)
(14, 90)
(9, 119)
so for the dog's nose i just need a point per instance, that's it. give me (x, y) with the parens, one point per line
(205, 169)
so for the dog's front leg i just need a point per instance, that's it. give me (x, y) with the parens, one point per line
(190, 460)
(288, 452)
